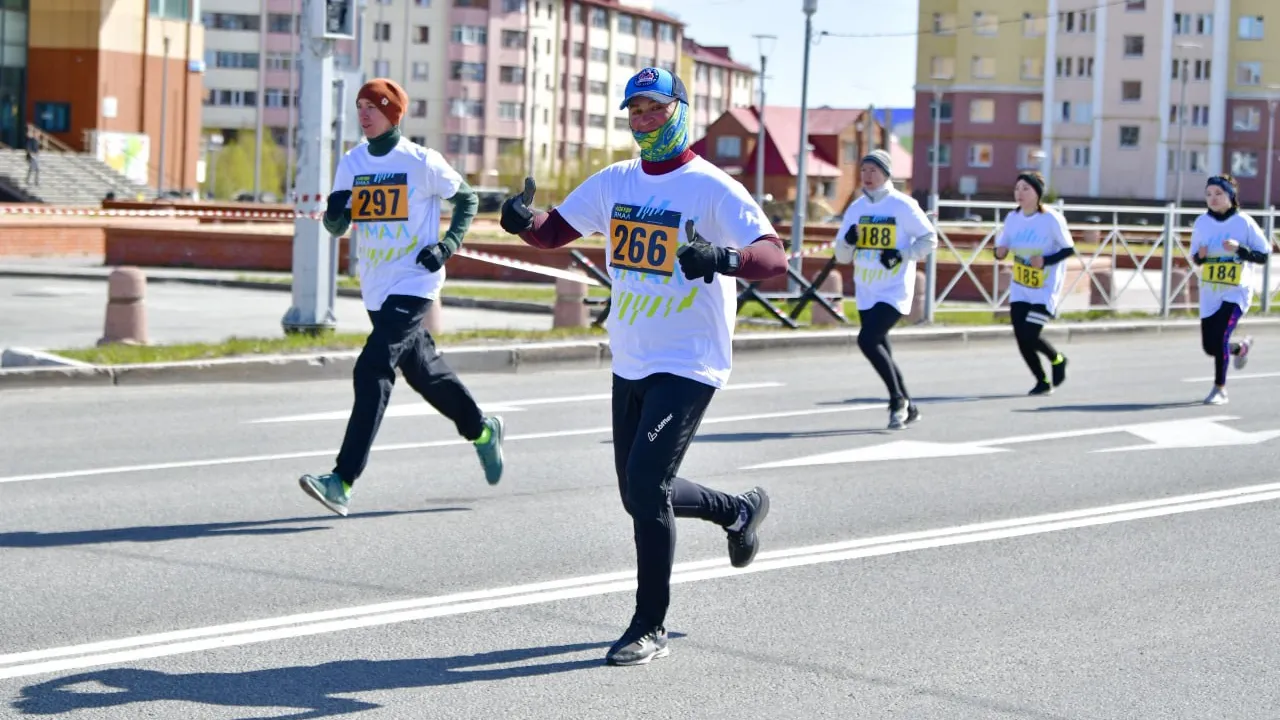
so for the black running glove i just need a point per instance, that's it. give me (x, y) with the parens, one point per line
(433, 257)
(516, 215)
(700, 259)
(851, 237)
(337, 205)
(890, 258)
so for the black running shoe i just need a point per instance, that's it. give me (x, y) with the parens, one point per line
(639, 645)
(1041, 388)
(743, 542)
(1060, 372)
(913, 413)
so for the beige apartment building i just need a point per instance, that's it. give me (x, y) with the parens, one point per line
(1096, 94)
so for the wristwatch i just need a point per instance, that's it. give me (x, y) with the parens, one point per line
(733, 260)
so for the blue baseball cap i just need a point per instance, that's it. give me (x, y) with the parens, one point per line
(655, 84)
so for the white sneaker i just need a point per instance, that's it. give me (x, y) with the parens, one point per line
(1243, 358)
(1217, 396)
(898, 418)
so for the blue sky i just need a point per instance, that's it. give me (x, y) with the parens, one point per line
(843, 72)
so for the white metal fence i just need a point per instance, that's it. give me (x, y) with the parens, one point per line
(1128, 259)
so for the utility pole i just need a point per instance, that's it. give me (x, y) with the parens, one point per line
(164, 114)
(532, 44)
(315, 258)
(262, 79)
(292, 101)
(762, 40)
(802, 192)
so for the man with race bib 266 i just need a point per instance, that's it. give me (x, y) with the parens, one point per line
(678, 230)
(884, 234)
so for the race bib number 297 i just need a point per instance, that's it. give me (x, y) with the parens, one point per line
(380, 198)
(643, 240)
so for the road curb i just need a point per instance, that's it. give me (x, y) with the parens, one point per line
(533, 357)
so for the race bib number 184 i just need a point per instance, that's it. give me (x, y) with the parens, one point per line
(643, 240)
(380, 198)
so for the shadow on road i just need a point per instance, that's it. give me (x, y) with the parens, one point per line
(925, 400)
(164, 533)
(308, 688)
(1113, 407)
(781, 435)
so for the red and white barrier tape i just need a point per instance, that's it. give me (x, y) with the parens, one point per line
(282, 215)
(527, 266)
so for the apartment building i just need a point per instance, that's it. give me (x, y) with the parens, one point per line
(1124, 83)
(495, 85)
(716, 83)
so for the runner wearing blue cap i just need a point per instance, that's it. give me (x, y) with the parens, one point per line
(679, 231)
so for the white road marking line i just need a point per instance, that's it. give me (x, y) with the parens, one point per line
(245, 459)
(418, 409)
(75, 657)
(1233, 377)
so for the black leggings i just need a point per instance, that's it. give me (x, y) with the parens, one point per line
(1028, 321)
(873, 340)
(1215, 338)
(400, 341)
(654, 420)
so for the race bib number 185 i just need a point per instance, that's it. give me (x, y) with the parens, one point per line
(643, 240)
(380, 198)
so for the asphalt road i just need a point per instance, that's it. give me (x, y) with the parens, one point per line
(49, 314)
(1074, 556)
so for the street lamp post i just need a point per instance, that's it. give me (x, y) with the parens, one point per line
(802, 193)
(761, 40)
(164, 114)
(1266, 202)
(1175, 224)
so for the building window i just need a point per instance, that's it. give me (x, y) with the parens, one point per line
(1182, 23)
(1246, 119)
(382, 32)
(510, 110)
(945, 111)
(600, 54)
(514, 39)
(168, 9)
(382, 68)
(418, 109)
(597, 121)
(470, 34)
(980, 155)
(1249, 73)
(467, 71)
(983, 68)
(1250, 27)
(729, 146)
(1028, 157)
(420, 71)
(944, 24)
(985, 23)
(944, 155)
(1135, 5)
(1030, 112)
(982, 111)
(1244, 163)
(1131, 91)
(597, 87)
(1032, 68)
(622, 123)
(1133, 46)
(511, 74)
(1072, 156)
(1204, 24)
(599, 18)
(282, 24)
(1194, 161)
(421, 34)
(1033, 25)
(1129, 136)
(626, 24)
(55, 117)
(464, 108)
(942, 68)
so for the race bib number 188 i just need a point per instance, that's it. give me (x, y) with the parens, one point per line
(643, 240)
(380, 198)
(876, 232)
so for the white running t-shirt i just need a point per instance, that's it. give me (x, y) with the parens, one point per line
(893, 222)
(1224, 277)
(659, 321)
(1044, 233)
(395, 212)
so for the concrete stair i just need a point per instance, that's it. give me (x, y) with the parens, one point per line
(66, 178)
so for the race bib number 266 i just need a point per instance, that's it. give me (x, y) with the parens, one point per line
(643, 240)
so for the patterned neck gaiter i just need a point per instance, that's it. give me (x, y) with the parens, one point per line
(669, 140)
